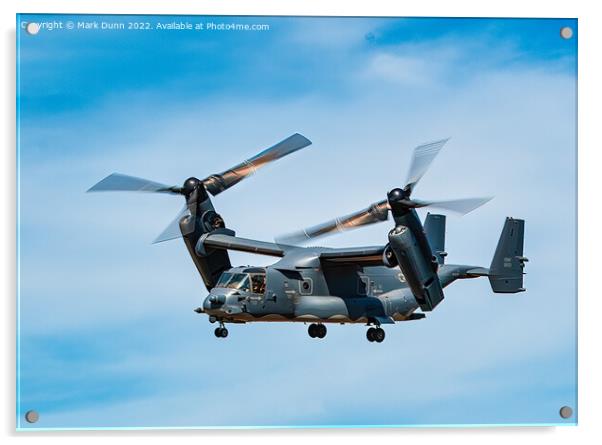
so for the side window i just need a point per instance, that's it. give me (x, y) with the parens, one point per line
(258, 283)
(306, 286)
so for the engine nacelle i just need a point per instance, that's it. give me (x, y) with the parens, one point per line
(417, 268)
(389, 258)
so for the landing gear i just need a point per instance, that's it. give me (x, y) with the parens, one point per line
(221, 332)
(316, 330)
(375, 334)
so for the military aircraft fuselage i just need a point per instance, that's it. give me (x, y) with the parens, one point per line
(300, 288)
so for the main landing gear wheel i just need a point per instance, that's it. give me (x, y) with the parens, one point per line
(221, 332)
(375, 334)
(316, 330)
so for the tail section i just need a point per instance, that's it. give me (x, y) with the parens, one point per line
(506, 270)
(434, 227)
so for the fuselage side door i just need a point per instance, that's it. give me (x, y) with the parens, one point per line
(281, 293)
(364, 285)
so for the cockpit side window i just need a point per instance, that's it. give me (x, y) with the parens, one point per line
(258, 283)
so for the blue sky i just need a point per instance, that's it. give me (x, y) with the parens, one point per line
(107, 333)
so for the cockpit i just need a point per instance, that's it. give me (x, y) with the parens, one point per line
(252, 282)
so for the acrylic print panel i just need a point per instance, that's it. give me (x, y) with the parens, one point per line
(108, 335)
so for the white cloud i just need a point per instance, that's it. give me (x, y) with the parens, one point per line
(405, 70)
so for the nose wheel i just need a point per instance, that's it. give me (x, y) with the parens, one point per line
(375, 335)
(316, 330)
(221, 332)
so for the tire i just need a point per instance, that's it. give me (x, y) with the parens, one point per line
(224, 333)
(370, 334)
(218, 332)
(379, 335)
(312, 331)
(321, 331)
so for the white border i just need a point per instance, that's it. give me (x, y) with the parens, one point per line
(590, 74)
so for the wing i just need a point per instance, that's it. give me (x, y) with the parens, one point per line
(229, 242)
(361, 256)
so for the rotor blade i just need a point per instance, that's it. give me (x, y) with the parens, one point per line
(172, 231)
(118, 182)
(375, 213)
(218, 183)
(421, 160)
(460, 206)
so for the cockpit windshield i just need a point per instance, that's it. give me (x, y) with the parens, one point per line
(247, 282)
(223, 280)
(235, 281)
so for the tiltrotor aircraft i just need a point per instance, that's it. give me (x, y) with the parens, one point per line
(372, 285)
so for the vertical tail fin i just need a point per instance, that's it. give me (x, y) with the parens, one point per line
(434, 227)
(506, 270)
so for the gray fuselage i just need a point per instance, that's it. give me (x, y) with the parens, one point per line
(300, 288)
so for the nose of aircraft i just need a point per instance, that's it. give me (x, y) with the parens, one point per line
(214, 301)
(222, 304)
(217, 299)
